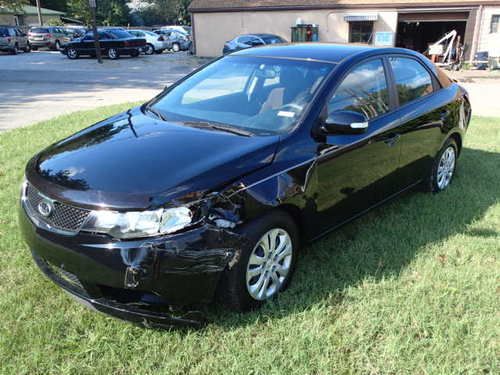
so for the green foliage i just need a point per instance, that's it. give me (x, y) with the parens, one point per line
(410, 288)
(163, 12)
(13, 4)
(109, 12)
(59, 5)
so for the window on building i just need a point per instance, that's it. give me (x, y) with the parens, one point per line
(360, 32)
(364, 90)
(412, 79)
(495, 20)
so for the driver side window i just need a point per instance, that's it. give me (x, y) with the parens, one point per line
(363, 90)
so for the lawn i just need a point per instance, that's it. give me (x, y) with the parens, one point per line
(411, 288)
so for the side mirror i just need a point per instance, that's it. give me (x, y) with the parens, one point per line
(345, 122)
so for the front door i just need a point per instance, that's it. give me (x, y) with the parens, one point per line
(355, 172)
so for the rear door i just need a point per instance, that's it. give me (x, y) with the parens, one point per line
(424, 111)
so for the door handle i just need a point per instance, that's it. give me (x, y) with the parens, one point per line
(392, 140)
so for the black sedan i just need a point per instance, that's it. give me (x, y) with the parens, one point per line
(113, 43)
(250, 40)
(210, 189)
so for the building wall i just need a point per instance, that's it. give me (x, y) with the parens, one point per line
(487, 41)
(7, 19)
(212, 30)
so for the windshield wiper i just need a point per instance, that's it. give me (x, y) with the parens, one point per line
(156, 112)
(210, 125)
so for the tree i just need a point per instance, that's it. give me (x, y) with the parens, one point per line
(161, 12)
(59, 5)
(109, 12)
(13, 4)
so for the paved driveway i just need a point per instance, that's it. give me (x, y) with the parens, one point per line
(40, 85)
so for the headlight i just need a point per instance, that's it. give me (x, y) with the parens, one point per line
(137, 224)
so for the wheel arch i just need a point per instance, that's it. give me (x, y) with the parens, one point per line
(457, 137)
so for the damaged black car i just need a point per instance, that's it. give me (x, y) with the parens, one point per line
(207, 192)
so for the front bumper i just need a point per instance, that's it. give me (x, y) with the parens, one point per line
(155, 282)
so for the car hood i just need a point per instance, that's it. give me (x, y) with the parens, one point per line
(134, 161)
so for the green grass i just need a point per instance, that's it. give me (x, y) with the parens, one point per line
(411, 288)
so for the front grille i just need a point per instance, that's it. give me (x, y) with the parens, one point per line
(63, 217)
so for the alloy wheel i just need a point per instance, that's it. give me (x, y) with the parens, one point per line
(446, 168)
(269, 264)
(149, 49)
(72, 53)
(112, 53)
(176, 47)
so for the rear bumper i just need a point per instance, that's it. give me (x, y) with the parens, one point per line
(43, 43)
(156, 282)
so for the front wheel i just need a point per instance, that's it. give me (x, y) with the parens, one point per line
(113, 53)
(72, 53)
(176, 47)
(266, 263)
(443, 168)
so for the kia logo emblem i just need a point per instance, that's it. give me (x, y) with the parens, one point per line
(45, 208)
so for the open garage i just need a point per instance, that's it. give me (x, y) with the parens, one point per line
(417, 31)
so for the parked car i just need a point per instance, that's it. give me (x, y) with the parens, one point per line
(176, 40)
(179, 28)
(74, 32)
(53, 37)
(113, 42)
(249, 41)
(154, 43)
(209, 190)
(12, 40)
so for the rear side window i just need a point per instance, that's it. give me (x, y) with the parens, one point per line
(363, 90)
(412, 79)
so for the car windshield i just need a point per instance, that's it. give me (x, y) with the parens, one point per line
(261, 95)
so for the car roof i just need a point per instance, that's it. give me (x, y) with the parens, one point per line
(327, 52)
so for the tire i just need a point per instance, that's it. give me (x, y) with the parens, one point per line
(443, 168)
(176, 47)
(72, 53)
(150, 49)
(159, 51)
(34, 48)
(113, 53)
(27, 49)
(234, 288)
(15, 50)
(135, 54)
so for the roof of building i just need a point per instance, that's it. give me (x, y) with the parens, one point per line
(326, 52)
(31, 10)
(236, 5)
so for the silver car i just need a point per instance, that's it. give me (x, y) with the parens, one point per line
(53, 37)
(154, 43)
(13, 40)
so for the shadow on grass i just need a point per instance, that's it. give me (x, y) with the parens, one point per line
(382, 243)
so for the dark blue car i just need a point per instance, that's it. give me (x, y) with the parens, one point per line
(209, 190)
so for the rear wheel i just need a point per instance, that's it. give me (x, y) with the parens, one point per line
(113, 53)
(72, 53)
(266, 263)
(135, 54)
(149, 49)
(443, 168)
